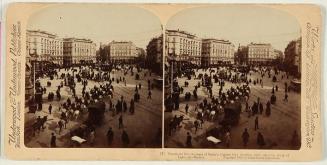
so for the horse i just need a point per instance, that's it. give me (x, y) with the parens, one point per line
(212, 115)
(39, 124)
(76, 114)
(179, 120)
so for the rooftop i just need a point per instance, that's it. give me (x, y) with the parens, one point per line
(182, 32)
(121, 42)
(78, 39)
(216, 40)
(42, 32)
(259, 44)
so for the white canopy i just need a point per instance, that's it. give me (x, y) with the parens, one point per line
(213, 139)
(78, 139)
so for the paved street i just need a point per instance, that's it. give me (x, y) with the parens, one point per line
(142, 127)
(277, 129)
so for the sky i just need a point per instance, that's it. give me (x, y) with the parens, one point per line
(98, 22)
(239, 24)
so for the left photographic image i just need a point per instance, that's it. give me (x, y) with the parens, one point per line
(93, 77)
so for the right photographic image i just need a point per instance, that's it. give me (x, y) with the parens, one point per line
(232, 79)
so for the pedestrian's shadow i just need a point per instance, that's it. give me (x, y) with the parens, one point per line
(188, 125)
(56, 114)
(43, 145)
(179, 144)
(64, 136)
(137, 142)
(52, 125)
(199, 137)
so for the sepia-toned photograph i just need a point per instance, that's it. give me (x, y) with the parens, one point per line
(93, 77)
(233, 79)
(173, 82)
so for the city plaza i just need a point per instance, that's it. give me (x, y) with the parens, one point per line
(141, 126)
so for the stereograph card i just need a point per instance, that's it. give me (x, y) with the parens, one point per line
(211, 82)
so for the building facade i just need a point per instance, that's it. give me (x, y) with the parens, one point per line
(184, 46)
(293, 59)
(79, 51)
(122, 51)
(298, 52)
(216, 52)
(44, 46)
(154, 54)
(261, 53)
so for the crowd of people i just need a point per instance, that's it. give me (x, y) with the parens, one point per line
(224, 106)
(76, 106)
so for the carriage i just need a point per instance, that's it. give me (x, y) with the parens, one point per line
(32, 107)
(96, 113)
(231, 114)
(158, 82)
(295, 85)
(35, 126)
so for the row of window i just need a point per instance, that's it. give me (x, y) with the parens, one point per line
(43, 51)
(189, 52)
(184, 41)
(50, 42)
(122, 48)
(51, 47)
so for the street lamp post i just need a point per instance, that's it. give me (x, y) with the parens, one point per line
(34, 60)
(172, 77)
(34, 77)
(172, 58)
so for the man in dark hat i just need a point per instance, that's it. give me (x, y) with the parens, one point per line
(189, 140)
(50, 109)
(131, 108)
(245, 137)
(53, 140)
(110, 136)
(125, 138)
(186, 108)
(260, 140)
(149, 94)
(120, 124)
(256, 123)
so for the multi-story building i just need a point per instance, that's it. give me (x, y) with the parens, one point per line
(293, 57)
(260, 53)
(122, 51)
(184, 46)
(43, 49)
(44, 46)
(154, 54)
(298, 52)
(217, 52)
(79, 51)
